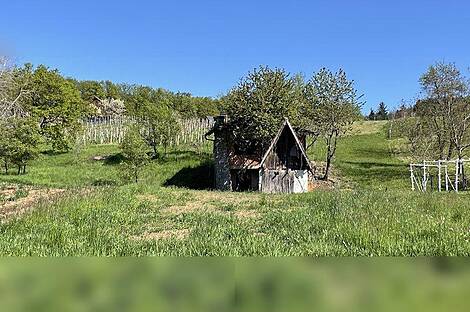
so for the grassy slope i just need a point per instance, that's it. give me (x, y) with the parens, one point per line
(365, 159)
(380, 217)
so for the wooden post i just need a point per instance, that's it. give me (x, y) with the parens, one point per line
(447, 178)
(457, 175)
(424, 177)
(439, 176)
(412, 178)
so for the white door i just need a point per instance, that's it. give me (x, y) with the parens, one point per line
(300, 181)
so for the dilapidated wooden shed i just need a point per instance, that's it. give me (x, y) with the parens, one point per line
(283, 168)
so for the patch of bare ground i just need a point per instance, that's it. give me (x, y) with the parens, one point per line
(324, 185)
(18, 207)
(333, 182)
(165, 234)
(99, 158)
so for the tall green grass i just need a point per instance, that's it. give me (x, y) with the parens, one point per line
(358, 223)
(101, 214)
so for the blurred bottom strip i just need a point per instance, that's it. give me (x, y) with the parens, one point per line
(234, 284)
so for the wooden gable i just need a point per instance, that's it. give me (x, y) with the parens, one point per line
(286, 151)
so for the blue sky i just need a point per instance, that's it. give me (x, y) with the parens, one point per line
(205, 47)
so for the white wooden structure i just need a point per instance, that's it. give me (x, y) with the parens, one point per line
(439, 175)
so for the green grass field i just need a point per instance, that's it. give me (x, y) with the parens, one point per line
(172, 212)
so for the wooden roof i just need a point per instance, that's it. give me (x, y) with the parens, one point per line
(297, 142)
(244, 162)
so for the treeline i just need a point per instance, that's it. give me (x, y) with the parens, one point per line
(51, 106)
(382, 112)
(127, 96)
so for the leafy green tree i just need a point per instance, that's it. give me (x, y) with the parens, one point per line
(256, 107)
(57, 103)
(6, 143)
(134, 150)
(20, 144)
(372, 115)
(91, 90)
(189, 106)
(332, 105)
(26, 135)
(112, 90)
(152, 108)
(137, 99)
(205, 106)
(163, 126)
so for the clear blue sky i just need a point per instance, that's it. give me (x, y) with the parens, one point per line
(205, 47)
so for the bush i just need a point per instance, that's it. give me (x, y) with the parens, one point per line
(19, 142)
(134, 150)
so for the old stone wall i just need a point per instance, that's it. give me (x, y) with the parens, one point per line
(221, 163)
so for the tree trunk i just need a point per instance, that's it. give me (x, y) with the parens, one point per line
(19, 169)
(449, 152)
(441, 149)
(327, 169)
(155, 153)
(331, 150)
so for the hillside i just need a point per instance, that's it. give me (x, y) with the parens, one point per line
(88, 210)
(364, 159)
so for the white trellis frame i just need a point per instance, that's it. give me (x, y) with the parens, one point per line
(420, 175)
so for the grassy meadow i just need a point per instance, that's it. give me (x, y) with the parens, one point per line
(171, 211)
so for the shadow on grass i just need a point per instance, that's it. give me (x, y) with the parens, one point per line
(196, 178)
(184, 155)
(374, 173)
(115, 159)
(376, 153)
(370, 164)
(104, 182)
(51, 152)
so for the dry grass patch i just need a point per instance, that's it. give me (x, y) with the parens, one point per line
(165, 234)
(367, 127)
(219, 201)
(207, 201)
(247, 214)
(8, 192)
(16, 208)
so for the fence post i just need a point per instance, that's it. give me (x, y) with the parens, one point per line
(412, 178)
(447, 178)
(439, 175)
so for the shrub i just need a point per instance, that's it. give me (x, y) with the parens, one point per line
(134, 150)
